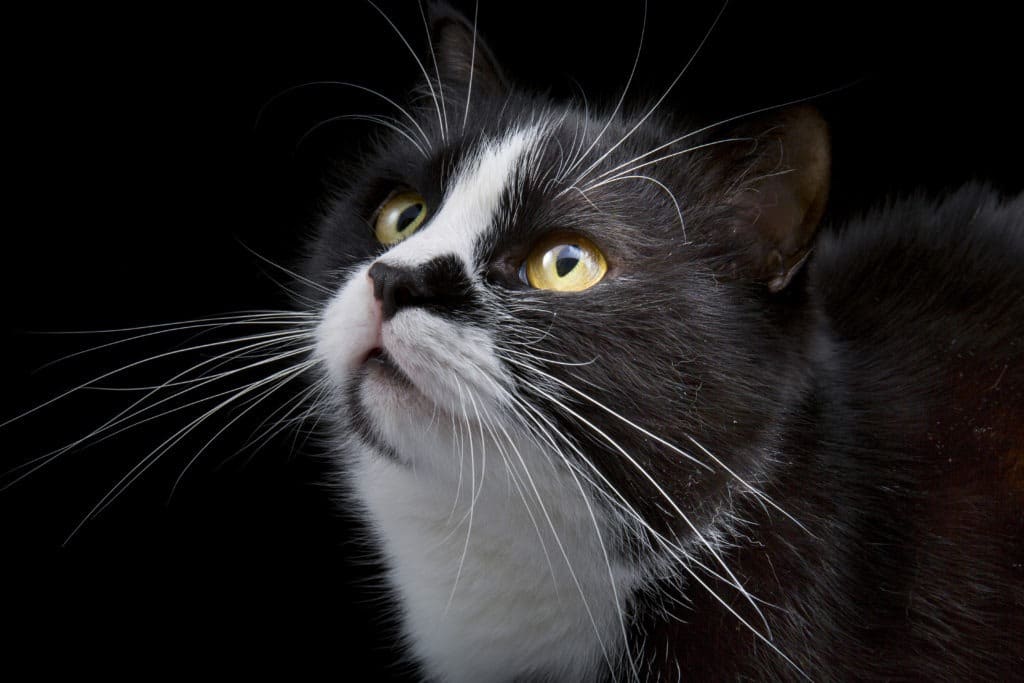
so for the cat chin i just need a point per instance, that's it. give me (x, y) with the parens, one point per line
(387, 393)
(414, 431)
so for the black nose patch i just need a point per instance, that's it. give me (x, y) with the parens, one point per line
(439, 285)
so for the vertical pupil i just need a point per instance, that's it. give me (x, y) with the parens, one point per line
(407, 216)
(567, 259)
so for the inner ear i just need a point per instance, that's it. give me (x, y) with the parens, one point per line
(781, 197)
(464, 62)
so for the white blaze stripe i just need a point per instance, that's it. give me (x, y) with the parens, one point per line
(470, 206)
(349, 328)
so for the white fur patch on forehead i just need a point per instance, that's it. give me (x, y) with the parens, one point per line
(471, 202)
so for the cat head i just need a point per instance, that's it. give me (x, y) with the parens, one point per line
(619, 288)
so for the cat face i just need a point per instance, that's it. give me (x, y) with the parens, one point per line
(508, 269)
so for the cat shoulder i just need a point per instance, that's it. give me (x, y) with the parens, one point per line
(957, 259)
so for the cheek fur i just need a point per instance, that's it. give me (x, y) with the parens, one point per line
(349, 327)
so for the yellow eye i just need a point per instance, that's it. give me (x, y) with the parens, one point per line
(399, 217)
(564, 263)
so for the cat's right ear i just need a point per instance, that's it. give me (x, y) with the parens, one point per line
(780, 196)
(464, 62)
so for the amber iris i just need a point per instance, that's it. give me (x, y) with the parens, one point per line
(564, 263)
(400, 216)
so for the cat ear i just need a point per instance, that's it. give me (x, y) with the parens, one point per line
(781, 203)
(465, 63)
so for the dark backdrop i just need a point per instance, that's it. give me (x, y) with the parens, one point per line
(136, 171)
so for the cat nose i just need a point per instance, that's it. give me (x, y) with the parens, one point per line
(441, 285)
(397, 287)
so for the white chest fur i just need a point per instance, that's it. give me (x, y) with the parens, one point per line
(520, 586)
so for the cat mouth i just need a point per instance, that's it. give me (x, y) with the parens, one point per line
(381, 366)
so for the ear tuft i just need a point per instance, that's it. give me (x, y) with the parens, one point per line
(779, 209)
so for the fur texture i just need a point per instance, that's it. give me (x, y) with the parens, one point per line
(733, 457)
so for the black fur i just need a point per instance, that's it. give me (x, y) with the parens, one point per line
(878, 397)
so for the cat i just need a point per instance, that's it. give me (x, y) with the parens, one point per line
(745, 442)
(612, 410)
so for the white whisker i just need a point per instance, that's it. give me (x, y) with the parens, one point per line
(622, 99)
(104, 433)
(761, 495)
(683, 560)
(472, 497)
(391, 125)
(129, 366)
(143, 465)
(675, 202)
(292, 405)
(603, 180)
(433, 57)
(710, 126)
(659, 101)
(240, 315)
(646, 475)
(442, 123)
(276, 387)
(472, 65)
(316, 285)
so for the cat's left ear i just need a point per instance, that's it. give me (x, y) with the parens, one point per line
(782, 199)
(464, 62)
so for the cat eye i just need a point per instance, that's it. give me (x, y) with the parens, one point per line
(564, 263)
(400, 216)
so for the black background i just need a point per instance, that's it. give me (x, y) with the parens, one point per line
(136, 170)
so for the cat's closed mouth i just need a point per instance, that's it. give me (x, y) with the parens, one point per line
(379, 362)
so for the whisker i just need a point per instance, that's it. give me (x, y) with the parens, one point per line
(473, 493)
(315, 285)
(165, 448)
(273, 430)
(716, 124)
(622, 98)
(404, 132)
(472, 64)
(316, 405)
(675, 202)
(37, 463)
(761, 495)
(345, 84)
(143, 465)
(274, 389)
(129, 366)
(659, 101)
(437, 71)
(511, 398)
(565, 554)
(598, 182)
(547, 360)
(605, 556)
(516, 479)
(177, 328)
(645, 474)
(430, 84)
(232, 316)
(683, 562)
